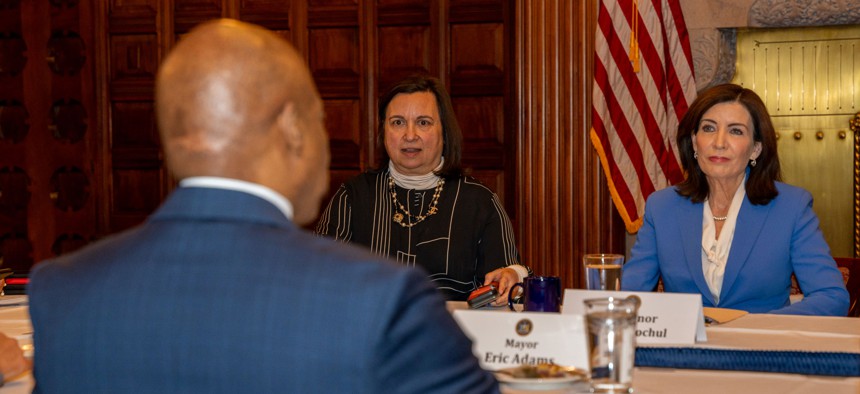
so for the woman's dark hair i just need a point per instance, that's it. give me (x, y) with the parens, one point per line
(760, 186)
(452, 137)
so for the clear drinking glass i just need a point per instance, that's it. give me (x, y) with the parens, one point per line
(612, 334)
(603, 271)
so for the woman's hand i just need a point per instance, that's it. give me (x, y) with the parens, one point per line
(506, 277)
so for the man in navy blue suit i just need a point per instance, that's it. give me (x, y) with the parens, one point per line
(220, 290)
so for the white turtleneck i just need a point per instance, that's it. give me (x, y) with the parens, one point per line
(415, 182)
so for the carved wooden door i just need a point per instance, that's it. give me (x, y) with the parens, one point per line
(48, 131)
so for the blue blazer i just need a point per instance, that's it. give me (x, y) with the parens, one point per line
(770, 243)
(219, 293)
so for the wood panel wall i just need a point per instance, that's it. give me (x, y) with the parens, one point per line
(563, 204)
(48, 131)
(355, 51)
(131, 46)
(519, 72)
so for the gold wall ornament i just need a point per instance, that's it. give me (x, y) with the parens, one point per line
(854, 123)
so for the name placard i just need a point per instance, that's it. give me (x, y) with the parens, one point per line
(663, 318)
(507, 339)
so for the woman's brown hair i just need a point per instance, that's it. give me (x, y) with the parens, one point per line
(452, 136)
(760, 185)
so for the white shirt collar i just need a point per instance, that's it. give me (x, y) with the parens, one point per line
(255, 189)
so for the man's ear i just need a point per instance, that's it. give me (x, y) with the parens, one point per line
(287, 124)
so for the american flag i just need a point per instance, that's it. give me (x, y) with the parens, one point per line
(643, 84)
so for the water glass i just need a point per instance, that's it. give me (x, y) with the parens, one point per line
(612, 341)
(603, 271)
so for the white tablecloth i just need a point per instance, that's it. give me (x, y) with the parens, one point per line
(751, 332)
(763, 332)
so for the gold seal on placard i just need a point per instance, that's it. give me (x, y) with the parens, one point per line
(524, 327)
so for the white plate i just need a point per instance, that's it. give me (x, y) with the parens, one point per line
(537, 383)
(13, 300)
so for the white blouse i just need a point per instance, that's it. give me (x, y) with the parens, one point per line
(715, 252)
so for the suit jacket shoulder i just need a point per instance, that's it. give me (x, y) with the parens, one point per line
(218, 292)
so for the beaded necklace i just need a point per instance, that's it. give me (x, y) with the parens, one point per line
(398, 217)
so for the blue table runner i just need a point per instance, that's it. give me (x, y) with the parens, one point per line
(796, 362)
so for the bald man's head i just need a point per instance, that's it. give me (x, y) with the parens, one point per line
(236, 100)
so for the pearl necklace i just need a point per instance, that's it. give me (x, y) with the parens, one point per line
(398, 217)
(720, 218)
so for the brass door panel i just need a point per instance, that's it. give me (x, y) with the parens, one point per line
(809, 78)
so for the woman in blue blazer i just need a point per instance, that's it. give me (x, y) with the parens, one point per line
(731, 231)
